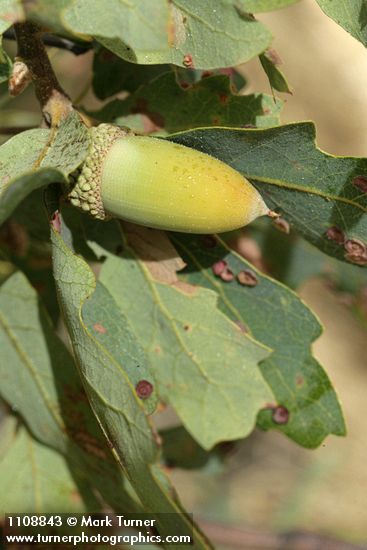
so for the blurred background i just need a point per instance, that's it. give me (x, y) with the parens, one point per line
(268, 483)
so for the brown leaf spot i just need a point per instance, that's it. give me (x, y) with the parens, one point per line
(361, 183)
(187, 328)
(206, 74)
(187, 60)
(299, 380)
(99, 328)
(356, 251)
(184, 85)
(227, 275)
(219, 267)
(282, 225)
(354, 246)
(335, 234)
(144, 389)
(247, 278)
(358, 260)
(223, 98)
(216, 120)
(280, 415)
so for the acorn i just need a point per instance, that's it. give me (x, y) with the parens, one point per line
(161, 184)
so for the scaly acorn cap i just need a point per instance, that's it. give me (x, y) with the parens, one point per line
(85, 183)
(161, 184)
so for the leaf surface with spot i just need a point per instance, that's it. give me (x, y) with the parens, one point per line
(113, 398)
(277, 317)
(181, 32)
(202, 362)
(313, 190)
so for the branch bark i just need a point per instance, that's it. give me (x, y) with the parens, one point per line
(55, 103)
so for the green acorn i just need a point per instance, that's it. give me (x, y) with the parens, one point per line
(160, 184)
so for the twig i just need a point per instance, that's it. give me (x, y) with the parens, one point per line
(240, 538)
(57, 42)
(55, 103)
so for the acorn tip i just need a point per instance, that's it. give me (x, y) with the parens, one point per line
(273, 215)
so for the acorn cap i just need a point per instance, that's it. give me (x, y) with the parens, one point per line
(85, 183)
